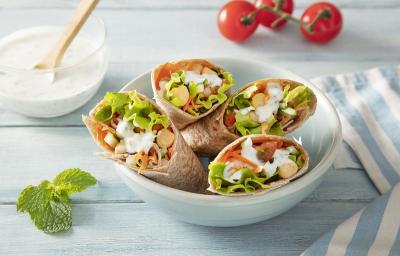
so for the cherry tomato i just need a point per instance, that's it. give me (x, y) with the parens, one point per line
(267, 18)
(230, 20)
(327, 26)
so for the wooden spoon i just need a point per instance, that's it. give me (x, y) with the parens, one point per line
(81, 14)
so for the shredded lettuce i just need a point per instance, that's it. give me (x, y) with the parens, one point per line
(131, 108)
(248, 182)
(178, 79)
(297, 96)
(242, 99)
(193, 89)
(296, 157)
(245, 125)
(114, 103)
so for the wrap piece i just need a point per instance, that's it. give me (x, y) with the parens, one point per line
(268, 106)
(189, 90)
(136, 133)
(256, 164)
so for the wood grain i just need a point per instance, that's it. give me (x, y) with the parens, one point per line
(138, 229)
(179, 4)
(109, 218)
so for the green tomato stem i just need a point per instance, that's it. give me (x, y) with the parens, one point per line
(247, 20)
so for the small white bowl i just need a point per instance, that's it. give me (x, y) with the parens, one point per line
(320, 135)
(86, 74)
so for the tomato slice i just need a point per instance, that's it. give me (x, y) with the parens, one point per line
(266, 150)
(230, 119)
(166, 71)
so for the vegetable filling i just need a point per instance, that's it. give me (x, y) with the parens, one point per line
(140, 136)
(253, 165)
(266, 108)
(196, 90)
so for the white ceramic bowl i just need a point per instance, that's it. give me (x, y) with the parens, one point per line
(320, 135)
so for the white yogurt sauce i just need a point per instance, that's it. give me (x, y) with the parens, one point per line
(134, 142)
(139, 142)
(213, 80)
(271, 107)
(249, 152)
(25, 48)
(245, 111)
(280, 157)
(230, 174)
(124, 129)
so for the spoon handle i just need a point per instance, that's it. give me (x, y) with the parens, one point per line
(78, 19)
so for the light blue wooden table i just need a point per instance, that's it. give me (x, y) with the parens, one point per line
(109, 218)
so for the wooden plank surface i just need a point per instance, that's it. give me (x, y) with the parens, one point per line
(109, 218)
(137, 229)
(179, 4)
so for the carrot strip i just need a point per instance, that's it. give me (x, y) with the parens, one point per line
(245, 160)
(186, 106)
(229, 155)
(193, 103)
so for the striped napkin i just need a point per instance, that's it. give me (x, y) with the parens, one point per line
(369, 107)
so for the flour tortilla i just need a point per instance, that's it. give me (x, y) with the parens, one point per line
(273, 185)
(183, 171)
(209, 135)
(180, 118)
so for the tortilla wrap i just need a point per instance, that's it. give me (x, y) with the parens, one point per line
(183, 171)
(210, 135)
(180, 118)
(273, 185)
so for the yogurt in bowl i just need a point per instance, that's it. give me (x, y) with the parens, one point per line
(50, 93)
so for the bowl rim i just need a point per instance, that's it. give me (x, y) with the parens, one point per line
(200, 199)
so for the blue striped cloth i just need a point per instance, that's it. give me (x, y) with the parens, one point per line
(369, 107)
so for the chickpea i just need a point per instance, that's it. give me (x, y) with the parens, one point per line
(165, 138)
(182, 93)
(120, 148)
(196, 68)
(258, 100)
(287, 170)
(209, 71)
(111, 140)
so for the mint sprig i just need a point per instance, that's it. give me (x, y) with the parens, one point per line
(48, 204)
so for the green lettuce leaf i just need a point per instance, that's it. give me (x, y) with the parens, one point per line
(193, 89)
(242, 99)
(297, 96)
(132, 108)
(114, 102)
(156, 118)
(248, 182)
(245, 125)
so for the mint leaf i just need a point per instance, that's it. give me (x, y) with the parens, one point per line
(74, 180)
(55, 216)
(48, 204)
